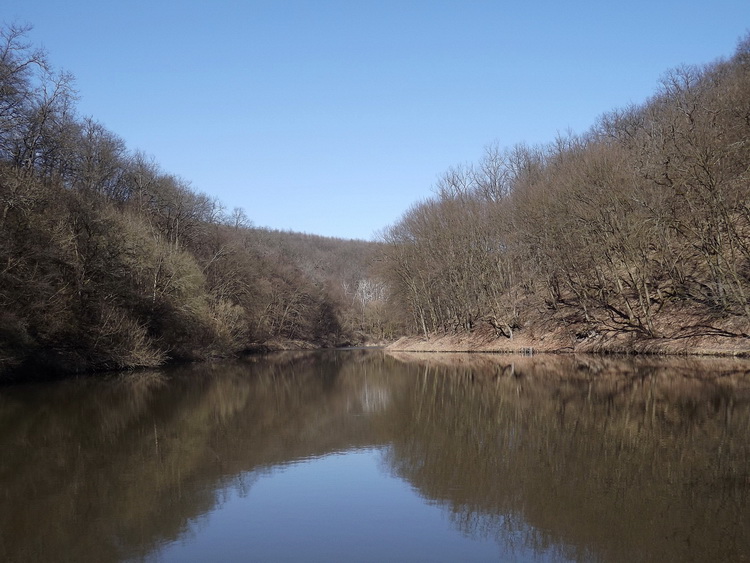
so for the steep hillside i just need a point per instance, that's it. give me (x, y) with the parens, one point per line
(107, 262)
(632, 236)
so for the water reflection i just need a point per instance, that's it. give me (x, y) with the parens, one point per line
(568, 458)
(619, 461)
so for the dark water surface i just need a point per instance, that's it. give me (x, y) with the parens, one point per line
(359, 456)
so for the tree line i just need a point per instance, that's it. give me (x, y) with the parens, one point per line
(107, 261)
(639, 226)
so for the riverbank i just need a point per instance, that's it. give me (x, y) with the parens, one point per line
(681, 336)
(43, 368)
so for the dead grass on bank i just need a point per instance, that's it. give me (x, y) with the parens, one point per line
(681, 333)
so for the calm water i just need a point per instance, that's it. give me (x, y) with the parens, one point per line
(359, 456)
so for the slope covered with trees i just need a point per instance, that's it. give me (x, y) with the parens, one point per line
(634, 233)
(630, 235)
(106, 261)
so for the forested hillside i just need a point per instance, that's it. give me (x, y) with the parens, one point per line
(634, 232)
(106, 261)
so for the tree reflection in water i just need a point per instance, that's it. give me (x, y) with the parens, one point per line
(627, 460)
(579, 458)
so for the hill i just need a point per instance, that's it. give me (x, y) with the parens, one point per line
(632, 236)
(108, 262)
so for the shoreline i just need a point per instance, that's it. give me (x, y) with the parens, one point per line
(562, 341)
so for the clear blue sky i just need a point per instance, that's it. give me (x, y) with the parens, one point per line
(333, 117)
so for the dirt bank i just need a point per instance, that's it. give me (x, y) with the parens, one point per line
(683, 337)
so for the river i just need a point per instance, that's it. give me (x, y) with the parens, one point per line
(363, 456)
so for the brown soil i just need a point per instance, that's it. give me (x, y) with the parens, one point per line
(562, 332)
